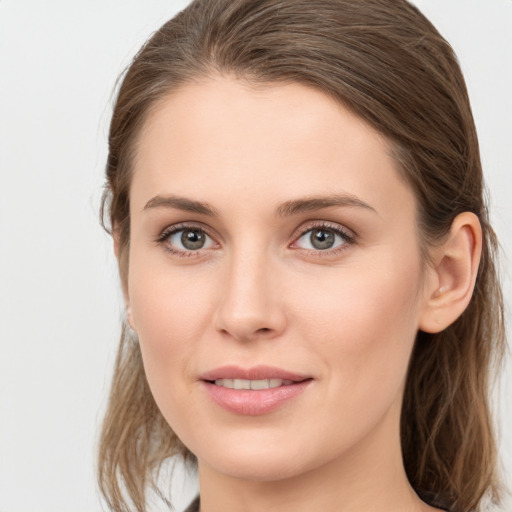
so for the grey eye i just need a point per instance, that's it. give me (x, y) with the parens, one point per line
(321, 239)
(190, 239)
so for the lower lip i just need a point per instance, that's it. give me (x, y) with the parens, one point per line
(254, 402)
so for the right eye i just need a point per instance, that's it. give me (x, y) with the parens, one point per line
(186, 240)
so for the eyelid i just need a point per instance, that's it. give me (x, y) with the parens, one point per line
(174, 228)
(348, 234)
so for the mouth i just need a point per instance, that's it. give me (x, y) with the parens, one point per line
(255, 378)
(254, 391)
(252, 384)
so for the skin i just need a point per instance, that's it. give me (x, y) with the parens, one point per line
(258, 292)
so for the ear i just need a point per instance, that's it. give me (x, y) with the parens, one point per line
(116, 240)
(122, 264)
(455, 269)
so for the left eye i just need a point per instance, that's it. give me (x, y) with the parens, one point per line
(322, 239)
(189, 239)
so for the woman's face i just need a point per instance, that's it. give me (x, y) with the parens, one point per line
(273, 242)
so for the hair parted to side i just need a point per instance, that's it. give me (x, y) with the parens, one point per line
(387, 63)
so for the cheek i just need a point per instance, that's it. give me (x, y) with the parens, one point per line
(364, 322)
(360, 329)
(171, 311)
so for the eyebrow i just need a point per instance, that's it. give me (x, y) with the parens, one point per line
(286, 209)
(181, 203)
(309, 204)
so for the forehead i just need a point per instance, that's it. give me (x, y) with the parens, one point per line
(226, 139)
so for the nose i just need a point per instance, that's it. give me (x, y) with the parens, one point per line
(251, 304)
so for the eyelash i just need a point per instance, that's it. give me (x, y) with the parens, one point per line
(348, 239)
(168, 232)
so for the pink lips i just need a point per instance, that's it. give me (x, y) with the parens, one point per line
(254, 373)
(253, 402)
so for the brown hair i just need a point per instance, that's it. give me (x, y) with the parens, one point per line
(387, 63)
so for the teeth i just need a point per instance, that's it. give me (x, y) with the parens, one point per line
(242, 384)
(252, 384)
(262, 384)
(227, 383)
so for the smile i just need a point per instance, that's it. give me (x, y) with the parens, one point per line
(252, 384)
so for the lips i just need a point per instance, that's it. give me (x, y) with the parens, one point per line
(253, 391)
(254, 373)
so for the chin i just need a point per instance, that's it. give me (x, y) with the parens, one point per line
(258, 467)
(258, 461)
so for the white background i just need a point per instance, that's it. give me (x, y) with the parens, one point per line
(59, 300)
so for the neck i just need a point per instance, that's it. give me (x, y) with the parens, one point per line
(370, 476)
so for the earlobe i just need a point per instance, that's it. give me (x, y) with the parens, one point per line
(456, 267)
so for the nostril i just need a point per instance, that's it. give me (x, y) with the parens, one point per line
(263, 329)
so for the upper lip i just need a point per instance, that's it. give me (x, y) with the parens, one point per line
(255, 373)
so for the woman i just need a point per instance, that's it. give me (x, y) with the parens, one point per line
(295, 195)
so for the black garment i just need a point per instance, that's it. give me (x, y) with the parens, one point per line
(433, 500)
(194, 506)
